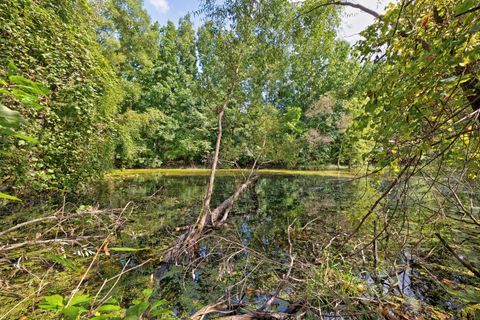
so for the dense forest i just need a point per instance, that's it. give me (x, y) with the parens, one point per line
(121, 91)
(90, 89)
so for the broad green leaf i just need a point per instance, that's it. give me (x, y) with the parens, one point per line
(9, 118)
(55, 300)
(28, 85)
(73, 312)
(136, 311)
(147, 293)
(109, 308)
(38, 90)
(464, 6)
(158, 303)
(27, 98)
(25, 137)
(80, 299)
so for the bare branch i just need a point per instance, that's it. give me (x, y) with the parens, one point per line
(346, 4)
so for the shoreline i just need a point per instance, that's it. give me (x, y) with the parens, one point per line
(344, 173)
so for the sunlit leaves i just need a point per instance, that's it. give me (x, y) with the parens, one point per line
(423, 68)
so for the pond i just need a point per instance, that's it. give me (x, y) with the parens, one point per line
(287, 237)
(253, 247)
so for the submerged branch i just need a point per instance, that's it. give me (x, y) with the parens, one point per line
(464, 262)
(379, 200)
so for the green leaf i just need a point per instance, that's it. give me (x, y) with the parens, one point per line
(25, 137)
(464, 6)
(63, 261)
(8, 197)
(12, 68)
(126, 249)
(48, 307)
(27, 98)
(80, 299)
(9, 118)
(28, 85)
(136, 311)
(109, 308)
(158, 303)
(147, 293)
(55, 301)
(72, 312)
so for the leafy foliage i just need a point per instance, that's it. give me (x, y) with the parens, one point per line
(82, 306)
(54, 44)
(423, 90)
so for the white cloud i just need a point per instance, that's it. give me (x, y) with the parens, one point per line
(160, 5)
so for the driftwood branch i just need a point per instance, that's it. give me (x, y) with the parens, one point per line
(26, 223)
(187, 242)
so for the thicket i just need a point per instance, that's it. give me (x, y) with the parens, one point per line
(53, 44)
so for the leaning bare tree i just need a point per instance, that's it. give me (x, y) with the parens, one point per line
(233, 47)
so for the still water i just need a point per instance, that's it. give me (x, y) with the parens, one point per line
(246, 259)
(286, 224)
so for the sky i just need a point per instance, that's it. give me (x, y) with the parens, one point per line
(354, 20)
(164, 10)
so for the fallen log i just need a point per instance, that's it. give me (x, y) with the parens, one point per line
(225, 206)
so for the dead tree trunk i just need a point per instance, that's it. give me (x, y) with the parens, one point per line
(187, 242)
(206, 211)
